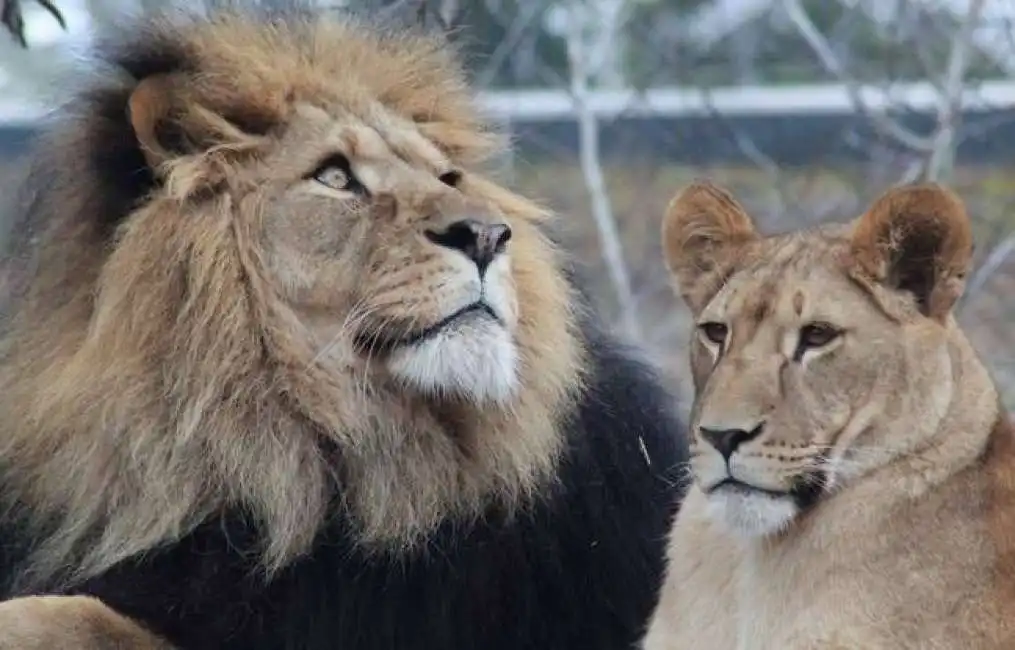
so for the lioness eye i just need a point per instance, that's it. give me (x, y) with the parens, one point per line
(817, 335)
(714, 332)
(336, 173)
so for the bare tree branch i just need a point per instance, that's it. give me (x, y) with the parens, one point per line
(942, 156)
(747, 146)
(579, 53)
(545, 73)
(527, 16)
(12, 18)
(998, 255)
(809, 31)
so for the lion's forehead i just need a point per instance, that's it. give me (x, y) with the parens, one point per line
(382, 138)
(409, 88)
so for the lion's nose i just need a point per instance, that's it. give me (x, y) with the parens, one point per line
(480, 242)
(726, 441)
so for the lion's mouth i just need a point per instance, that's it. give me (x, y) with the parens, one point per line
(375, 342)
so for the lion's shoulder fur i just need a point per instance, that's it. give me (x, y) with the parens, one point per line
(909, 541)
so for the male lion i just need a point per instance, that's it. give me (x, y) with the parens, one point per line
(285, 371)
(854, 473)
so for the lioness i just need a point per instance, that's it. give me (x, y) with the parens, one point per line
(854, 473)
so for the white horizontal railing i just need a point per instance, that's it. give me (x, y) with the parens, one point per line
(554, 104)
(835, 98)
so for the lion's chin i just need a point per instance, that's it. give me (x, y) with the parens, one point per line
(751, 513)
(477, 360)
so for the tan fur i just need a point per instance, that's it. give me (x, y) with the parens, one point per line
(890, 466)
(70, 623)
(201, 361)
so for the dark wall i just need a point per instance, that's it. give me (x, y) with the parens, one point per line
(784, 139)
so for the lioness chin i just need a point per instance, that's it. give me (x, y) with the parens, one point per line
(853, 472)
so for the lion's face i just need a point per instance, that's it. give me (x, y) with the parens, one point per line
(294, 280)
(809, 344)
(373, 236)
(361, 207)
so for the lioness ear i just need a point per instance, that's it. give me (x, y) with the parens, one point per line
(917, 239)
(703, 228)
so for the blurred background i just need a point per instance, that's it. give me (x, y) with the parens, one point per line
(807, 109)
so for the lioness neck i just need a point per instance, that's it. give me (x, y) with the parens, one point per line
(933, 449)
(917, 450)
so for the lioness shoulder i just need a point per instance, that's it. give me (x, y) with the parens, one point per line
(853, 470)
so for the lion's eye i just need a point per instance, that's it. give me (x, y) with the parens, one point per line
(333, 177)
(336, 173)
(714, 332)
(817, 335)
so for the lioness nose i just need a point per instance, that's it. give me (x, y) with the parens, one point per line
(481, 242)
(726, 441)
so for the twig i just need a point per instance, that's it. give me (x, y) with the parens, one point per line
(950, 111)
(749, 149)
(588, 152)
(809, 31)
(519, 26)
(12, 18)
(994, 260)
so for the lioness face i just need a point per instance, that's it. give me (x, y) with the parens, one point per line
(377, 240)
(790, 353)
(800, 353)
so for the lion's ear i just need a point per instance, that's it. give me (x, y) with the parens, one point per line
(169, 122)
(703, 228)
(149, 110)
(917, 239)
